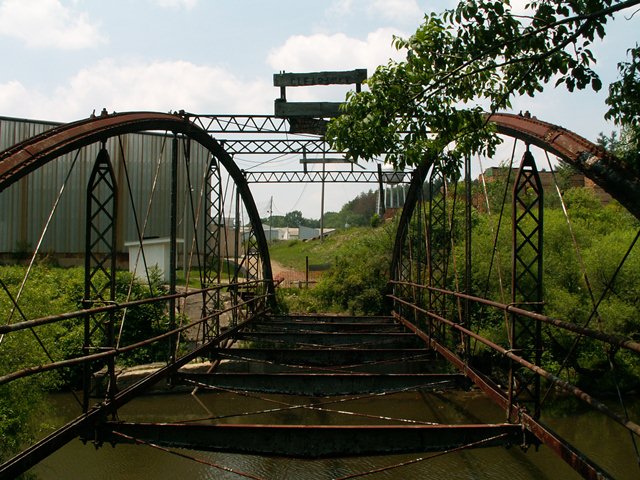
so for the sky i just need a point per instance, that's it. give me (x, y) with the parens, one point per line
(64, 59)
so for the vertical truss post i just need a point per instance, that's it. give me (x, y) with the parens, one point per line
(173, 242)
(526, 281)
(381, 206)
(253, 256)
(466, 319)
(236, 269)
(401, 263)
(100, 269)
(403, 274)
(212, 250)
(438, 242)
(324, 172)
(420, 262)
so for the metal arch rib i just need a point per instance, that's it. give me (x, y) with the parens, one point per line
(555, 139)
(25, 157)
(593, 161)
(606, 171)
(417, 180)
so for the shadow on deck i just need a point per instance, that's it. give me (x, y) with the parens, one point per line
(301, 364)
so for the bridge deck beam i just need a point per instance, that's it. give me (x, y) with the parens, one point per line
(322, 384)
(333, 319)
(359, 340)
(325, 357)
(316, 327)
(313, 441)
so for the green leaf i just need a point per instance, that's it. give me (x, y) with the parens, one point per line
(596, 84)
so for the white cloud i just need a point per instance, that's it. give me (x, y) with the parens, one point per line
(519, 7)
(340, 8)
(334, 52)
(397, 10)
(157, 86)
(48, 24)
(186, 4)
(402, 11)
(12, 94)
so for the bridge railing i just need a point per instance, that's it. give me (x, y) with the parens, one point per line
(248, 300)
(485, 380)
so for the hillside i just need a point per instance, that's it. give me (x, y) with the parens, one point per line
(292, 254)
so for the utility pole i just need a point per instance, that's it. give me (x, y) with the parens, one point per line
(270, 218)
(322, 200)
(381, 205)
(309, 117)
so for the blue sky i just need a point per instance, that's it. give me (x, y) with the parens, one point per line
(68, 57)
(65, 58)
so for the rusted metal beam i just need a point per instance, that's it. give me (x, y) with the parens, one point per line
(83, 424)
(569, 454)
(329, 319)
(483, 382)
(267, 326)
(615, 178)
(361, 340)
(114, 352)
(322, 384)
(577, 460)
(325, 357)
(588, 332)
(17, 326)
(30, 155)
(553, 379)
(313, 441)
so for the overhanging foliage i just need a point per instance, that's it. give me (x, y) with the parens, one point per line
(472, 61)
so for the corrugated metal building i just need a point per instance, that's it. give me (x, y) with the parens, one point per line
(142, 165)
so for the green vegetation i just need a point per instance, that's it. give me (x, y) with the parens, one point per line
(475, 59)
(603, 235)
(360, 258)
(292, 219)
(358, 278)
(50, 291)
(292, 253)
(355, 213)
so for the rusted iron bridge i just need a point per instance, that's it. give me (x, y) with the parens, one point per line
(423, 343)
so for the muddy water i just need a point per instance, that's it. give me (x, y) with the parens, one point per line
(588, 431)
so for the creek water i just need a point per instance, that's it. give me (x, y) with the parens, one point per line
(609, 444)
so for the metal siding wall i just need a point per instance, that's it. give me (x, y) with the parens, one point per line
(26, 205)
(17, 205)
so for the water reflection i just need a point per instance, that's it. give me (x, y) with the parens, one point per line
(138, 462)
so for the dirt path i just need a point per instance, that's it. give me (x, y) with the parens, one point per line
(288, 275)
(277, 268)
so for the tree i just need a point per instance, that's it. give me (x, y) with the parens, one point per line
(294, 218)
(624, 103)
(471, 61)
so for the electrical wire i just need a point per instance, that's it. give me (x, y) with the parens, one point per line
(185, 456)
(139, 230)
(313, 406)
(422, 459)
(42, 236)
